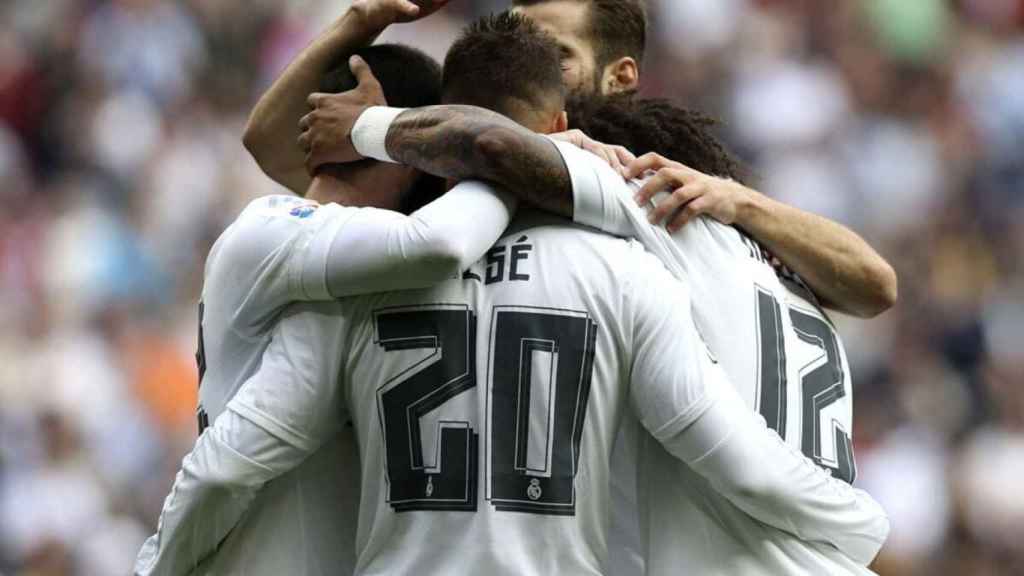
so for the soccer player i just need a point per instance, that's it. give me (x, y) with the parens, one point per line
(486, 407)
(757, 319)
(778, 347)
(345, 237)
(603, 43)
(272, 128)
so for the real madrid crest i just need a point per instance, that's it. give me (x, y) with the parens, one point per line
(533, 491)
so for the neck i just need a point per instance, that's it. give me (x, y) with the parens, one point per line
(326, 189)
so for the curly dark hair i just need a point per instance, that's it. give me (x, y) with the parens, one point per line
(655, 125)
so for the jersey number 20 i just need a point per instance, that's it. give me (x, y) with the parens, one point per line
(539, 372)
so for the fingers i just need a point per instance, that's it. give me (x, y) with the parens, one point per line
(568, 136)
(577, 137)
(407, 8)
(652, 161)
(305, 141)
(625, 157)
(668, 206)
(316, 99)
(649, 161)
(597, 150)
(614, 156)
(696, 207)
(617, 157)
(666, 179)
(613, 160)
(361, 70)
(603, 152)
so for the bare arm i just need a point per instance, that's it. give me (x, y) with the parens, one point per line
(273, 126)
(461, 142)
(217, 483)
(451, 141)
(458, 142)
(844, 272)
(839, 266)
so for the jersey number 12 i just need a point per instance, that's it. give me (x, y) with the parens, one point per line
(820, 387)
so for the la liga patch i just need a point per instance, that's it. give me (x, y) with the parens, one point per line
(304, 211)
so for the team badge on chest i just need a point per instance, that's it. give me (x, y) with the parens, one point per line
(533, 491)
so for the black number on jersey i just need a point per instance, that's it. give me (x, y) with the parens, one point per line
(448, 482)
(820, 387)
(772, 401)
(540, 381)
(201, 415)
(542, 364)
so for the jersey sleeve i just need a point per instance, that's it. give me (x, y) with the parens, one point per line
(672, 376)
(217, 482)
(748, 463)
(267, 255)
(297, 393)
(379, 250)
(281, 415)
(601, 198)
(687, 403)
(285, 249)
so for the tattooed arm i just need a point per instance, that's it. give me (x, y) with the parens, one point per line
(452, 141)
(461, 142)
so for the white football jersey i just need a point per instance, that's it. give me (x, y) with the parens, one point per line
(272, 254)
(486, 407)
(783, 356)
(283, 249)
(486, 410)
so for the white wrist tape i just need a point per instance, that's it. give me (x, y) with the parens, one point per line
(370, 132)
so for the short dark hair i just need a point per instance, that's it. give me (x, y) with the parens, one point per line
(617, 28)
(654, 125)
(410, 79)
(502, 62)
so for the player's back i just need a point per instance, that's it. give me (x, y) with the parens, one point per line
(787, 362)
(772, 338)
(781, 354)
(296, 523)
(486, 408)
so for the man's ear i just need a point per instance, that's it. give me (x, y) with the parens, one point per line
(621, 75)
(561, 123)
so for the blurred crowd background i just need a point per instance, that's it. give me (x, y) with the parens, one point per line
(121, 162)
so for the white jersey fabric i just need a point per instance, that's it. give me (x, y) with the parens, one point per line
(786, 361)
(282, 249)
(486, 409)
